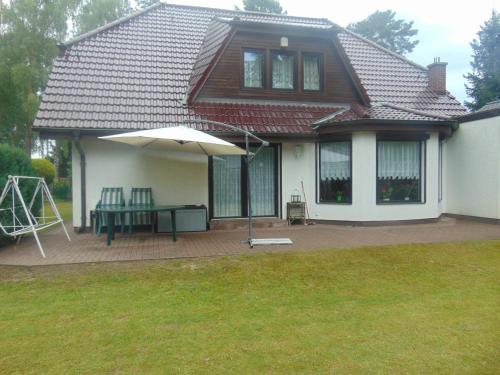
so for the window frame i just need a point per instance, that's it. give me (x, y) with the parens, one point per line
(263, 53)
(272, 52)
(321, 70)
(318, 172)
(422, 169)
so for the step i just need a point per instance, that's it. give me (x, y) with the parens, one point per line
(242, 223)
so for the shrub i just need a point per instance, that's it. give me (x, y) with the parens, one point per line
(13, 161)
(62, 189)
(44, 168)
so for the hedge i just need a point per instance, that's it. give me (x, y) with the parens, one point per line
(44, 168)
(13, 161)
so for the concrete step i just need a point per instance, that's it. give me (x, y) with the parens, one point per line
(242, 223)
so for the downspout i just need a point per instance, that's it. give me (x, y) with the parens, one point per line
(83, 192)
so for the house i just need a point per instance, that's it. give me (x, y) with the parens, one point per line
(367, 132)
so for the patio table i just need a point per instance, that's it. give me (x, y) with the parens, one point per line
(112, 210)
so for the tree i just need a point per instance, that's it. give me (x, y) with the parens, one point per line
(265, 6)
(383, 29)
(146, 3)
(484, 81)
(29, 32)
(95, 13)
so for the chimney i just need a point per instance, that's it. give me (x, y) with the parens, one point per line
(437, 76)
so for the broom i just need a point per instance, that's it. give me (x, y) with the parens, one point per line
(308, 220)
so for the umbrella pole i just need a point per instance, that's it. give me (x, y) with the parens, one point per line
(249, 197)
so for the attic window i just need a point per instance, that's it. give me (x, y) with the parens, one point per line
(312, 71)
(283, 70)
(253, 69)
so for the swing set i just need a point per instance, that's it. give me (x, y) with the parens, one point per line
(17, 217)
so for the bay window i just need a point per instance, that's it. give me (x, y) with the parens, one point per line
(311, 71)
(253, 68)
(399, 171)
(335, 181)
(283, 70)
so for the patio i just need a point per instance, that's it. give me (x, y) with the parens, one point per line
(88, 248)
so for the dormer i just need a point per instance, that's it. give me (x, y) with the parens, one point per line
(255, 60)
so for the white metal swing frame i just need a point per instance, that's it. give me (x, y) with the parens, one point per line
(35, 223)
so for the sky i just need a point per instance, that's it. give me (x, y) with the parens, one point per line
(445, 27)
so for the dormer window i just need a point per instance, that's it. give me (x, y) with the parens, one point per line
(253, 68)
(312, 71)
(283, 70)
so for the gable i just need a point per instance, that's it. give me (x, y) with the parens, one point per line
(225, 80)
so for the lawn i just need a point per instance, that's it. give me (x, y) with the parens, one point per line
(65, 209)
(413, 309)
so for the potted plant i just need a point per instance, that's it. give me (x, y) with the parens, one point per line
(386, 192)
(340, 196)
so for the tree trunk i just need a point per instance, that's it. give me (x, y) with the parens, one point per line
(27, 139)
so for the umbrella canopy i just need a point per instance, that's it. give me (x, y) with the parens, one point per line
(178, 138)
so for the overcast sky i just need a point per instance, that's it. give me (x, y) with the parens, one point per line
(446, 27)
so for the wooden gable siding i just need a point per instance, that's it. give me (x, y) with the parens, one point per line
(225, 79)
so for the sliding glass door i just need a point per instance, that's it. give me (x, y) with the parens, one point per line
(229, 184)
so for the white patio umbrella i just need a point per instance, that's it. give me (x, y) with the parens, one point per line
(178, 138)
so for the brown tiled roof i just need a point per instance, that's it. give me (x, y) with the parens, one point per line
(383, 111)
(135, 73)
(390, 78)
(267, 118)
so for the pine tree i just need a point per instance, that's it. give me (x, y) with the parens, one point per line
(484, 80)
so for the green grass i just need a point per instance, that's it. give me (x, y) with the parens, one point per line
(414, 308)
(65, 209)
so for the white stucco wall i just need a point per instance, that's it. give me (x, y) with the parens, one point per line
(175, 179)
(364, 206)
(473, 169)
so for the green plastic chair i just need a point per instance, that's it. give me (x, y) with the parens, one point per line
(141, 197)
(110, 196)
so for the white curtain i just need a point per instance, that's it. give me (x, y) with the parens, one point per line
(399, 159)
(335, 160)
(262, 183)
(283, 71)
(311, 72)
(253, 69)
(227, 186)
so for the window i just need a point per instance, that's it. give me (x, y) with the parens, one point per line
(311, 72)
(283, 70)
(253, 69)
(399, 171)
(335, 183)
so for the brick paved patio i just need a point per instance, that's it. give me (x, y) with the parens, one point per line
(89, 248)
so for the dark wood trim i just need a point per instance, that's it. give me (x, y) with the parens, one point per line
(321, 70)
(213, 63)
(373, 223)
(358, 86)
(386, 126)
(244, 189)
(280, 164)
(263, 79)
(210, 187)
(480, 219)
(422, 172)
(318, 173)
(399, 136)
(481, 115)
(244, 176)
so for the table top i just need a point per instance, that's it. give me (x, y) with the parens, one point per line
(118, 209)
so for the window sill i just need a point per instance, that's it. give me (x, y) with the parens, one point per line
(388, 203)
(335, 203)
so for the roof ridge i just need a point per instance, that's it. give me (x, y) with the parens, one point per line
(376, 45)
(412, 110)
(109, 25)
(324, 19)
